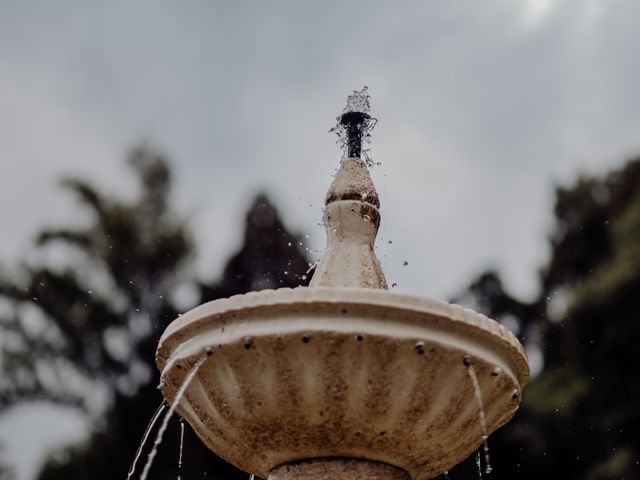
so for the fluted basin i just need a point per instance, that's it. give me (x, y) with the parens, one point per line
(341, 372)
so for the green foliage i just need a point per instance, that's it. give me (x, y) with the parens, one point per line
(120, 269)
(581, 415)
(89, 323)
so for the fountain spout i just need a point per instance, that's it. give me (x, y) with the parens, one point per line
(354, 124)
(351, 214)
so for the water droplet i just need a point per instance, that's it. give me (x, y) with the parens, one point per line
(496, 371)
(366, 218)
(248, 343)
(405, 263)
(419, 348)
(304, 277)
(394, 285)
(288, 244)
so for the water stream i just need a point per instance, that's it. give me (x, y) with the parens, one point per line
(169, 414)
(358, 102)
(181, 444)
(483, 421)
(479, 464)
(153, 421)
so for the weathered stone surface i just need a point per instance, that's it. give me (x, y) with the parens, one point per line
(351, 219)
(341, 372)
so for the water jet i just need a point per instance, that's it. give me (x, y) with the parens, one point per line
(343, 379)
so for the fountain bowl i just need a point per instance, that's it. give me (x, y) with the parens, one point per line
(302, 374)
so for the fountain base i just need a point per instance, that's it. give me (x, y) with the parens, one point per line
(338, 469)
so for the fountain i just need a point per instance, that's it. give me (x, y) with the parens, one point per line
(343, 379)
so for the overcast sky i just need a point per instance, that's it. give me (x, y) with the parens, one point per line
(482, 108)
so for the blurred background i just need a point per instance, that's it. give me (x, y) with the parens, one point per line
(156, 155)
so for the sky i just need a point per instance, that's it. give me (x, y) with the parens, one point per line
(483, 108)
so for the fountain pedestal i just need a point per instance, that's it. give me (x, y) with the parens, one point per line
(338, 469)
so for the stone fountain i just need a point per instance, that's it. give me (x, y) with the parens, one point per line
(343, 379)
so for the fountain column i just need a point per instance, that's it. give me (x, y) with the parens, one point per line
(351, 219)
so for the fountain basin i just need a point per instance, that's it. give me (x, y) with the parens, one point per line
(312, 373)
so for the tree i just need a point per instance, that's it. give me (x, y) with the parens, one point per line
(91, 320)
(91, 323)
(580, 417)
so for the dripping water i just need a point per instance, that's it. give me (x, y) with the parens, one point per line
(181, 444)
(483, 421)
(446, 474)
(153, 421)
(311, 267)
(479, 464)
(169, 414)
